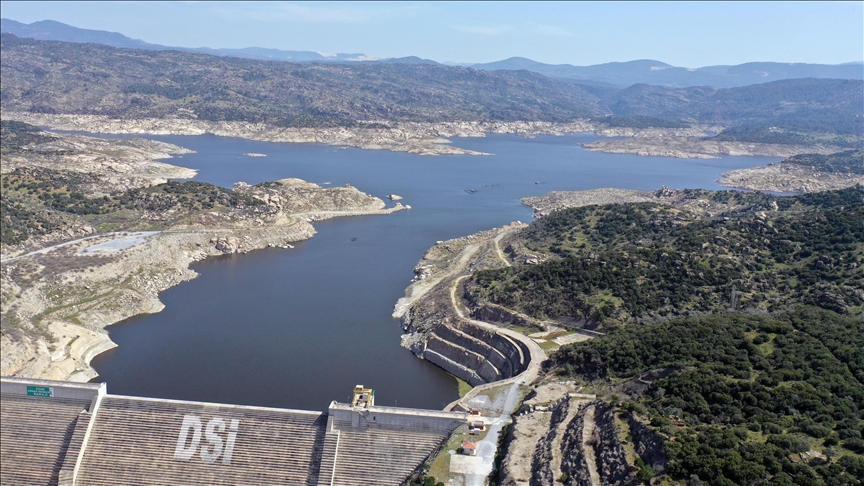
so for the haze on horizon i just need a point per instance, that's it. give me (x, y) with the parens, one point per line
(687, 34)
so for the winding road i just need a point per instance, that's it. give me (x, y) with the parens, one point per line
(477, 469)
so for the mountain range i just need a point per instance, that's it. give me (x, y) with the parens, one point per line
(52, 30)
(86, 78)
(623, 74)
(611, 75)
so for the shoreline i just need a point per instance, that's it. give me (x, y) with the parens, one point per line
(73, 351)
(434, 138)
(71, 354)
(788, 178)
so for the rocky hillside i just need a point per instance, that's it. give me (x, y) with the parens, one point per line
(734, 398)
(731, 348)
(51, 77)
(60, 77)
(792, 111)
(802, 173)
(698, 252)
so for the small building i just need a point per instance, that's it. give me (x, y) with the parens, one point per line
(363, 397)
(469, 448)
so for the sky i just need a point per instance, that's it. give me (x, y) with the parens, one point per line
(687, 34)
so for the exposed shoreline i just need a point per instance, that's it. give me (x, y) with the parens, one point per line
(434, 138)
(60, 290)
(415, 138)
(788, 178)
(173, 250)
(124, 289)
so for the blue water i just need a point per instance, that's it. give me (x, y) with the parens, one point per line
(300, 327)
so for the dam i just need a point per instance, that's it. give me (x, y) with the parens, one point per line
(77, 434)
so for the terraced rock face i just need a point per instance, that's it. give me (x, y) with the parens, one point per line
(561, 435)
(440, 327)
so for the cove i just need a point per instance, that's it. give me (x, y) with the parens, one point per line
(298, 328)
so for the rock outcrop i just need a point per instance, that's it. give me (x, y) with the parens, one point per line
(789, 178)
(119, 164)
(693, 143)
(647, 443)
(557, 200)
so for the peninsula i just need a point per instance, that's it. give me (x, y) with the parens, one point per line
(622, 290)
(92, 232)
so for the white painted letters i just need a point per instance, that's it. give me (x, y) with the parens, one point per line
(229, 445)
(213, 439)
(183, 452)
(215, 445)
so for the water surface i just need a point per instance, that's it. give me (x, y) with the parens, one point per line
(299, 327)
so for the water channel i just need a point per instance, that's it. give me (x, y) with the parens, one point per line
(300, 327)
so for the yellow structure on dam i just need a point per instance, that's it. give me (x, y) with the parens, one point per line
(363, 397)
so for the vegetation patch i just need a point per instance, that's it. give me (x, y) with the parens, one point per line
(37, 201)
(850, 161)
(638, 262)
(732, 414)
(16, 136)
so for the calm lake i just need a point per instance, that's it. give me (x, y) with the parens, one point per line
(300, 327)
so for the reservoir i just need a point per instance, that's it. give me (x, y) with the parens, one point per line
(299, 327)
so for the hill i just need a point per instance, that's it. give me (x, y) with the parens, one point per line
(58, 31)
(792, 111)
(726, 358)
(79, 78)
(614, 265)
(646, 71)
(62, 77)
(696, 337)
(746, 399)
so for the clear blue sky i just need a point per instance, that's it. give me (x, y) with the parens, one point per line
(581, 33)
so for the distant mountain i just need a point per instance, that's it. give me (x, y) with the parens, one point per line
(406, 60)
(648, 71)
(126, 83)
(794, 111)
(599, 78)
(51, 30)
(58, 31)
